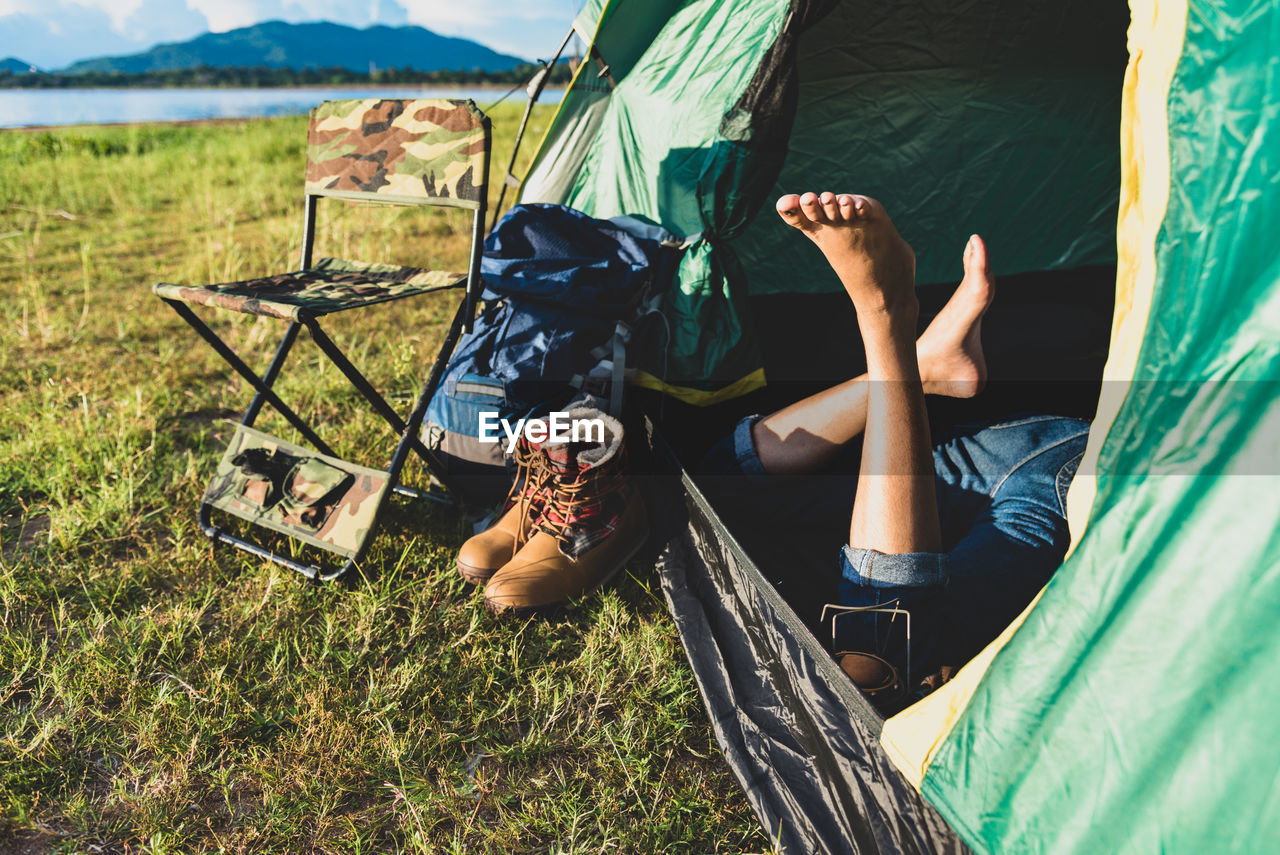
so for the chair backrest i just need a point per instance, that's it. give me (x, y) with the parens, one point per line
(409, 152)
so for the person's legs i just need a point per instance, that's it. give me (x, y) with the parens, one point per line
(893, 556)
(1003, 491)
(998, 528)
(748, 473)
(805, 436)
(895, 509)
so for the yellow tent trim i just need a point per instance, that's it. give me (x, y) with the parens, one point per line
(913, 737)
(698, 397)
(1155, 44)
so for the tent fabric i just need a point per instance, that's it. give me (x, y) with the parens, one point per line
(800, 738)
(1134, 710)
(1131, 706)
(999, 118)
(657, 152)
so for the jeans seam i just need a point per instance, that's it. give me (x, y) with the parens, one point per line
(1057, 480)
(1032, 456)
(863, 563)
(1029, 420)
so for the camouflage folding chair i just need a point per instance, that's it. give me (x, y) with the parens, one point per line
(425, 152)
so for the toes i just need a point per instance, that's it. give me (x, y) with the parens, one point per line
(978, 287)
(865, 206)
(845, 202)
(975, 256)
(977, 272)
(789, 209)
(829, 207)
(812, 209)
(808, 211)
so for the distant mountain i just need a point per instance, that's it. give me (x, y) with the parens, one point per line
(16, 66)
(276, 44)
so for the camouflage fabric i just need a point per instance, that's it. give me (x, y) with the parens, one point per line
(320, 500)
(401, 150)
(331, 285)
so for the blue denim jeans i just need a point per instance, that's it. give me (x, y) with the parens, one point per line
(1001, 492)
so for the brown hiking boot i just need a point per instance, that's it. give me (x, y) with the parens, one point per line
(483, 554)
(592, 522)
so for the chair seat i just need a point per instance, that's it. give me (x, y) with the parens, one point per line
(331, 285)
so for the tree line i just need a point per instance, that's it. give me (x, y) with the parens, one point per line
(215, 77)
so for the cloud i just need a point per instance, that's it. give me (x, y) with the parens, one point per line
(55, 33)
(229, 14)
(226, 15)
(528, 29)
(162, 21)
(61, 32)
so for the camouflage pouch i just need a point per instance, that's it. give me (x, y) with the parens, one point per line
(320, 500)
(256, 479)
(310, 492)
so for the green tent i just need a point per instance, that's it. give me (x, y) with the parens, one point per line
(1000, 119)
(1133, 706)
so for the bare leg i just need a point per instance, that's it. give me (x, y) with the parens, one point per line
(894, 509)
(804, 436)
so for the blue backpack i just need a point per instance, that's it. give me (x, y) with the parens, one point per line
(563, 296)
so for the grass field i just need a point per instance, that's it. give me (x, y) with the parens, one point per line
(165, 697)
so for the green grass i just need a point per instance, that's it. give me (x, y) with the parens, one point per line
(167, 697)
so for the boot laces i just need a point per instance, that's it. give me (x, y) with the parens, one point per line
(529, 492)
(576, 500)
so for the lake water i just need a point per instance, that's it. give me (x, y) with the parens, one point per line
(26, 107)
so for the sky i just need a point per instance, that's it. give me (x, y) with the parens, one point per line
(53, 33)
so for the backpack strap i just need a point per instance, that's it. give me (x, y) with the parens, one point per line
(610, 368)
(619, 364)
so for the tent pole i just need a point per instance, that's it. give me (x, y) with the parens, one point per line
(536, 85)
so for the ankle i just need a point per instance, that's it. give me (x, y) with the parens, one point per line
(932, 379)
(898, 318)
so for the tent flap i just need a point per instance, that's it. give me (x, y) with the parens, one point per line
(1134, 710)
(798, 736)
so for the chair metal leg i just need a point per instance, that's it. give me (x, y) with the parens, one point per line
(365, 388)
(272, 372)
(263, 389)
(407, 430)
(217, 535)
(424, 400)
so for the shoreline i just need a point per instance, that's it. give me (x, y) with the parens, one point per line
(228, 120)
(498, 87)
(431, 91)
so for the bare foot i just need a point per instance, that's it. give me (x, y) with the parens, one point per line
(876, 266)
(950, 350)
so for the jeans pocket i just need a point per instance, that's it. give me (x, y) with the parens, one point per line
(1064, 478)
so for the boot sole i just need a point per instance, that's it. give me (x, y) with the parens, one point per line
(474, 575)
(548, 609)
